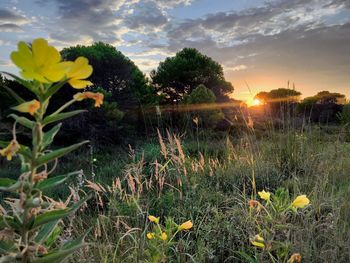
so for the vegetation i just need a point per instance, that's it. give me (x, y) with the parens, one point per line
(256, 192)
(179, 75)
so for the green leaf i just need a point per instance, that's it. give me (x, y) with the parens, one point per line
(7, 184)
(50, 240)
(14, 94)
(6, 247)
(23, 120)
(61, 116)
(24, 83)
(58, 256)
(54, 181)
(57, 214)
(9, 221)
(45, 232)
(58, 153)
(53, 89)
(50, 135)
(50, 216)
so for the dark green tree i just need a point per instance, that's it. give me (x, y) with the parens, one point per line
(114, 73)
(201, 103)
(279, 95)
(281, 102)
(323, 107)
(181, 74)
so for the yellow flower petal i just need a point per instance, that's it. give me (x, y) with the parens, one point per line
(79, 84)
(30, 107)
(150, 235)
(153, 219)
(258, 241)
(186, 226)
(41, 62)
(301, 201)
(77, 71)
(164, 236)
(264, 195)
(10, 150)
(98, 97)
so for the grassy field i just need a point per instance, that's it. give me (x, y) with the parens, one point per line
(210, 180)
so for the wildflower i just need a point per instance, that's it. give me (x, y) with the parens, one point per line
(264, 195)
(258, 241)
(164, 236)
(31, 107)
(150, 235)
(253, 203)
(186, 226)
(300, 202)
(98, 97)
(41, 62)
(153, 219)
(296, 257)
(77, 71)
(10, 150)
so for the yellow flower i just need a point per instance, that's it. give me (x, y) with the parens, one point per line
(41, 62)
(153, 219)
(301, 201)
(296, 257)
(150, 235)
(264, 195)
(30, 107)
(10, 150)
(77, 71)
(258, 241)
(98, 97)
(164, 236)
(186, 226)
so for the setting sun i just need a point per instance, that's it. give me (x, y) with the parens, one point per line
(251, 102)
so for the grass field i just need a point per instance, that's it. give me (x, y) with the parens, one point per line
(210, 180)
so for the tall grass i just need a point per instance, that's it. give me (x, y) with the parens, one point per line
(211, 183)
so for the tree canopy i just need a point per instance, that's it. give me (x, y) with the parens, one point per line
(114, 73)
(277, 95)
(180, 75)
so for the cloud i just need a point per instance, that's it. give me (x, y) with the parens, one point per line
(10, 16)
(236, 68)
(9, 27)
(145, 15)
(10, 20)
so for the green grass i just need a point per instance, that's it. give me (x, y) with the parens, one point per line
(212, 186)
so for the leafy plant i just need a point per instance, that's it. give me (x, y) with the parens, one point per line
(162, 238)
(29, 220)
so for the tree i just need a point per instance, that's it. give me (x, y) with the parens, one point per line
(280, 101)
(279, 95)
(205, 110)
(181, 74)
(323, 107)
(114, 73)
(126, 90)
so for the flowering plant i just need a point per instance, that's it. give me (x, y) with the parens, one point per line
(272, 219)
(29, 220)
(161, 238)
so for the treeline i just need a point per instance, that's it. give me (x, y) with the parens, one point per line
(185, 92)
(324, 107)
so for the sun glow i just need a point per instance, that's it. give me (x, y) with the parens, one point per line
(251, 102)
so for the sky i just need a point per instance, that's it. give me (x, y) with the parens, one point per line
(261, 44)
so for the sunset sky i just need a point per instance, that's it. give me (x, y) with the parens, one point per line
(261, 44)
